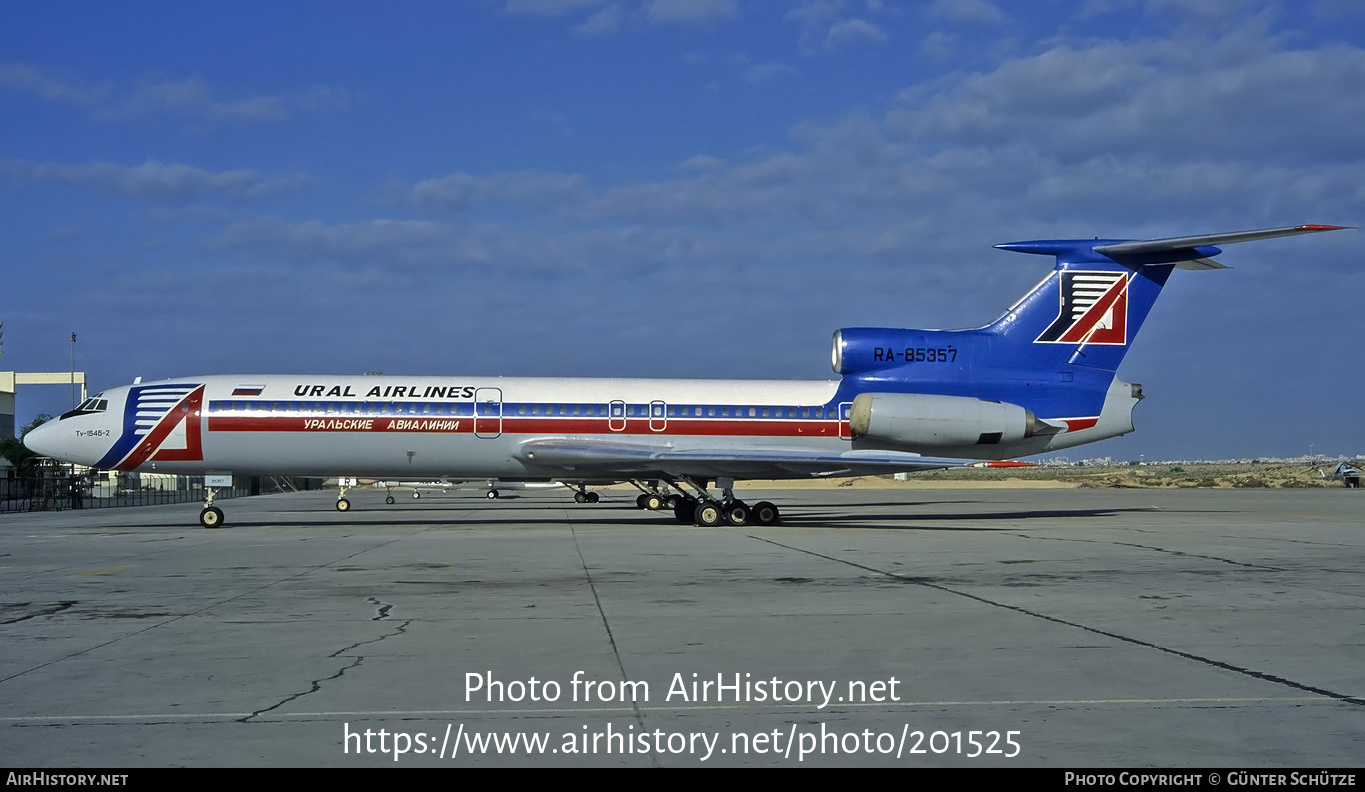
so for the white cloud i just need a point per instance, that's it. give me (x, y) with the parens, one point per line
(1093, 138)
(393, 241)
(1155, 98)
(939, 45)
(824, 26)
(967, 12)
(767, 72)
(702, 162)
(1206, 12)
(690, 11)
(1145, 138)
(548, 7)
(602, 22)
(154, 181)
(850, 31)
(462, 191)
(26, 78)
(161, 96)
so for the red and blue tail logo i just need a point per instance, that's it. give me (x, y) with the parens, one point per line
(1094, 309)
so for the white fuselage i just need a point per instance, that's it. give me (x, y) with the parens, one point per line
(507, 428)
(422, 426)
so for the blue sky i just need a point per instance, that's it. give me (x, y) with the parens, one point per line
(679, 188)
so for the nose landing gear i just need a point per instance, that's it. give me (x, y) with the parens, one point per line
(211, 516)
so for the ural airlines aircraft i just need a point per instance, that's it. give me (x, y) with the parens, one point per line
(1040, 378)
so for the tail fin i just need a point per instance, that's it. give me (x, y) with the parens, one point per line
(1089, 310)
(1055, 352)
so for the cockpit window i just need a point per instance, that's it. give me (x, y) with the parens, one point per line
(91, 405)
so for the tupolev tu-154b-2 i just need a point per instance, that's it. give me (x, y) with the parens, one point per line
(1040, 378)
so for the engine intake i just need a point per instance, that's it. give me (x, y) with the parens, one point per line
(916, 419)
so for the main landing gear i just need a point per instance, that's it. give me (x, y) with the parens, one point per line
(583, 496)
(702, 508)
(388, 496)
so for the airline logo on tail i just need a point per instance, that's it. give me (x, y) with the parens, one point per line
(161, 424)
(1094, 309)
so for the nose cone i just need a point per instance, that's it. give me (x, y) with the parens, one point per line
(45, 439)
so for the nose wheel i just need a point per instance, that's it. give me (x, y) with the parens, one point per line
(211, 516)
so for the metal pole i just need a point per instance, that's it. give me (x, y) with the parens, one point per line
(73, 371)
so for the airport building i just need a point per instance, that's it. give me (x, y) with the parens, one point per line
(10, 380)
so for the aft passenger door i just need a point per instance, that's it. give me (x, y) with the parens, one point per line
(488, 412)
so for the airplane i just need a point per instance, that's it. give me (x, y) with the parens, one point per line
(1348, 475)
(1040, 378)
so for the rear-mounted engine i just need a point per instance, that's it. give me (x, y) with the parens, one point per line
(914, 419)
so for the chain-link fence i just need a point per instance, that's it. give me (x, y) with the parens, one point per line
(52, 486)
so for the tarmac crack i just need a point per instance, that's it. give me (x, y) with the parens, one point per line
(208, 607)
(1154, 548)
(316, 684)
(55, 608)
(611, 638)
(1209, 661)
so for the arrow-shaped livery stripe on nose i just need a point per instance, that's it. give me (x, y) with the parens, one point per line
(150, 415)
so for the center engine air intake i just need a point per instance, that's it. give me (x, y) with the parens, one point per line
(915, 419)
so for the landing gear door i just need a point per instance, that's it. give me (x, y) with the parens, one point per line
(488, 412)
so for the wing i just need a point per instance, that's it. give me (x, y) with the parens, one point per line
(630, 460)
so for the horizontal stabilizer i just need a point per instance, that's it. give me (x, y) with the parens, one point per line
(1141, 246)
